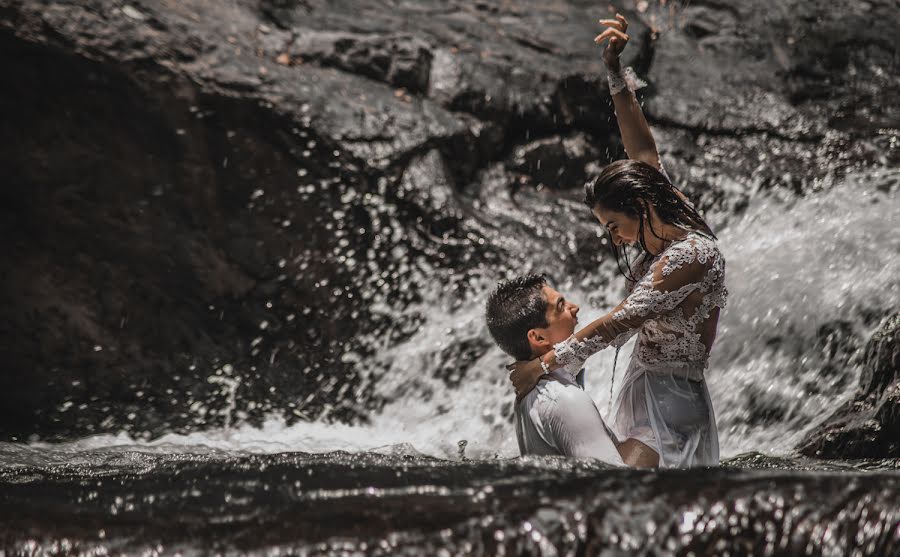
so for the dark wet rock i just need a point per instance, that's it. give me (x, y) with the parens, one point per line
(741, 74)
(556, 162)
(778, 89)
(137, 290)
(869, 425)
(193, 250)
(400, 60)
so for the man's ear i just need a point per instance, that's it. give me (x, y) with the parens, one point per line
(536, 337)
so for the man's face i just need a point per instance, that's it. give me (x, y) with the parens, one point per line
(562, 316)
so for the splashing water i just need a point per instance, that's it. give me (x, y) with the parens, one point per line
(823, 263)
(793, 267)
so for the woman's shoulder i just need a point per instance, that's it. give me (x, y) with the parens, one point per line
(700, 240)
(695, 247)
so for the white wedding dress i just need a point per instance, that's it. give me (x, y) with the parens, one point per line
(674, 309)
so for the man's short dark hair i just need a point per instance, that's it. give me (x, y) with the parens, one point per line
(514, 307)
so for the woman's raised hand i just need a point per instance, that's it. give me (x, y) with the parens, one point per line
(615, 33)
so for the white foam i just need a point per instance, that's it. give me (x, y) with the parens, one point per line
(792, 268)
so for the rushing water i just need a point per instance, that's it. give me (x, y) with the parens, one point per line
(435, 469)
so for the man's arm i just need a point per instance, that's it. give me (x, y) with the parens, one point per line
(577, 429)
(636, 134)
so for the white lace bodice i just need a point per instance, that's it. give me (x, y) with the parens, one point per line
(674, 331)
(673, 306)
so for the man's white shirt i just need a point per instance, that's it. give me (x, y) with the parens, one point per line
(558, 418)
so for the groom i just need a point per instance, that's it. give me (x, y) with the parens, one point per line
(526, 317)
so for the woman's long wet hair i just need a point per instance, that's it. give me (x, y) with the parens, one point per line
(632, 187)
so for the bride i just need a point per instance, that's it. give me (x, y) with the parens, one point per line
(675, 292)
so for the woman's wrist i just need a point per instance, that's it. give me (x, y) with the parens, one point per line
(624, 79)
(545, 367)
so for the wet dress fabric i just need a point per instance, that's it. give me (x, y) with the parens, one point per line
(558, 418)
(673, 307)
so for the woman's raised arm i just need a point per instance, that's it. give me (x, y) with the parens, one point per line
(636, 134)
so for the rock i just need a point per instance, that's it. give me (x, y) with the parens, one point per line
(555, 162)
(763, 84)
(786, 89)
(869, 425)
(397, 59)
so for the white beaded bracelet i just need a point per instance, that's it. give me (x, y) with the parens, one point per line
(544, 366)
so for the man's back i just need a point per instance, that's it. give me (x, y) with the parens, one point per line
(558, 418)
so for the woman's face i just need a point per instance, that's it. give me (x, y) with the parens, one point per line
(623, 229)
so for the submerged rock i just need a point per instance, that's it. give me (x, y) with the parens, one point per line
(869, 425)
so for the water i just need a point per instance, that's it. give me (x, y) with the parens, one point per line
(807, 278)
(808, 282)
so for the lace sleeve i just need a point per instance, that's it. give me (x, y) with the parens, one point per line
(572, 352)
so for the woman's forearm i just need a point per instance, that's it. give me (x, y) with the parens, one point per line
(596, 336)
(604, 329)
(636, 134)
(576, 349)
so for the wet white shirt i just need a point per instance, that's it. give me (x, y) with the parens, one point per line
(558, 418)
